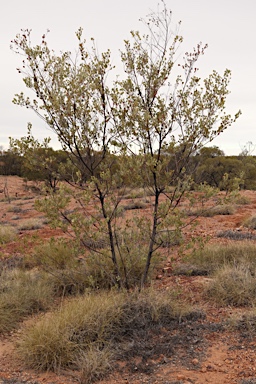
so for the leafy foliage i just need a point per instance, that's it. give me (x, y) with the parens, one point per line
(142, 129)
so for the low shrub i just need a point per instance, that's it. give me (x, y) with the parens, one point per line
(59, 339)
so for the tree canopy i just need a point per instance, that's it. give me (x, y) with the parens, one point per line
(157, 106)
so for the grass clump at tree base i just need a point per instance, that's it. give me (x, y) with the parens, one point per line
(88, 332)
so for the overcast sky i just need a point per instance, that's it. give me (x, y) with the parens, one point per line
(227, 26)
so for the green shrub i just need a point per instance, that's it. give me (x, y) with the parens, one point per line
(7, 234)
(233, 285)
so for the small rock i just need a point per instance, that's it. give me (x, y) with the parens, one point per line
(195, 361)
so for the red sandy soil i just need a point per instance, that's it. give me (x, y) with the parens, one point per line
(221, 357)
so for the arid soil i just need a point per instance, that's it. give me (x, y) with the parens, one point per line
(199, 350)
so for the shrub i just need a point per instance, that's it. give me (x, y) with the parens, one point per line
(7, 234)
(233, 285)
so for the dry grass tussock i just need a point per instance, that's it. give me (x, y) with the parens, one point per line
(89, 332)
(250, 222)
(222, 209)
(233, 285)
(232, 268)
(21, 294)
(30, 224)
(7, 234)
(213, 257)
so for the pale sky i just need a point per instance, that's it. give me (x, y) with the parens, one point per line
(227, 26)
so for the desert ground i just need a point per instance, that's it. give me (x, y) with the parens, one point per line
(203, 351)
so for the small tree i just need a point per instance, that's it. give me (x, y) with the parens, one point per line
(158, 114)
(39, 161)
